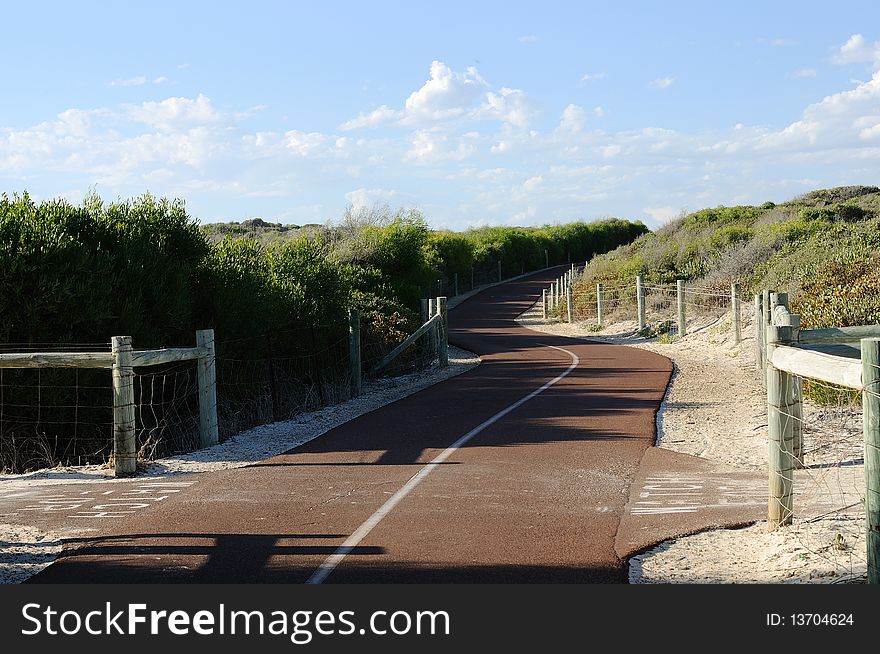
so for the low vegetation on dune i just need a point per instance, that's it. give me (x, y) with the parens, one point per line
(822, 247)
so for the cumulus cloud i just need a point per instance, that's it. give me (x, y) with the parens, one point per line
(379, 116)
(450, 97)
(857, 50)
(447, 94)
(592, 77)
(139, 80)
(573, 119)
(364, 198)
(661, 214)
(662, 82)
(173, 113)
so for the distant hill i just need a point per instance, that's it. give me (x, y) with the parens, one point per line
(258, 229)
(823, 247)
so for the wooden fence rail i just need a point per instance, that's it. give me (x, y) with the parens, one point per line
(785, 365)
(121, 361)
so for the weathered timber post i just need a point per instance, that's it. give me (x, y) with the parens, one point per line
(679, 294)
(206, 366)
(599, 301)
(544, 304)
(455, 283)
(640, 301)
(423, 310)
(443, 329)
(434, 334)
(765, 321)
(759, 332)
(546, 259)
(787, 319)
(568, 304)
(734, 313)
(354, 349)
(124, 442)
(779, 425)
(871, 408)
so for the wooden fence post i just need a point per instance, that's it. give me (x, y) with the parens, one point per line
(443, 336)
(734, 313)
(568, 303)
(209, 429)
(759, 332)
(544, 304)
(354, 350)
(423, 310)
(871, 408)
(779, 425)
(455, 284)
(546, 259)
(679, 294)
(796, 406)
(434, 334)
(599, 301)
(124, 442)
(765, 321)
(640, 301)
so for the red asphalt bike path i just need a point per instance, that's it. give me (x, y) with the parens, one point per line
(550, 439)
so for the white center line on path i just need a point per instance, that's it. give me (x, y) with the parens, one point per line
(332, 561)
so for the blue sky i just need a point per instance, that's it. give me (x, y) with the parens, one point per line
(475, 113)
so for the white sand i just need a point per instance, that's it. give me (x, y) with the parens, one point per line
(715, 408)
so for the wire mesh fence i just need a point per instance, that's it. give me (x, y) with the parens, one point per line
(827, 484)
(50, 417)
(64, 416)
(256, 390)
(618, 304)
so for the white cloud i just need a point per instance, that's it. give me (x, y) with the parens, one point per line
(592, 77)
(173, 113)
(610, 151)
(662, 82)
(661, 214)
(780, 43)
(805, 72)
(302, 143)
(447, 94)
(140, 80)
(378, 116)
(598, 112)
(450, 97)
(433, 145)
(509, 105)
(573, 119)
(364, 198)
(857, 50)
(529, 38)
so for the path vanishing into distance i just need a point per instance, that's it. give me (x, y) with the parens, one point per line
(536, 466)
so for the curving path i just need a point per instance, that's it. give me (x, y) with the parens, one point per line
(529, 468)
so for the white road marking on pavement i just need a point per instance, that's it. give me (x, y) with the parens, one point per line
(680, 494)
(122, 501)
(361, 532)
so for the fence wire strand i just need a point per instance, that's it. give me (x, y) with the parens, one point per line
(828, 479)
